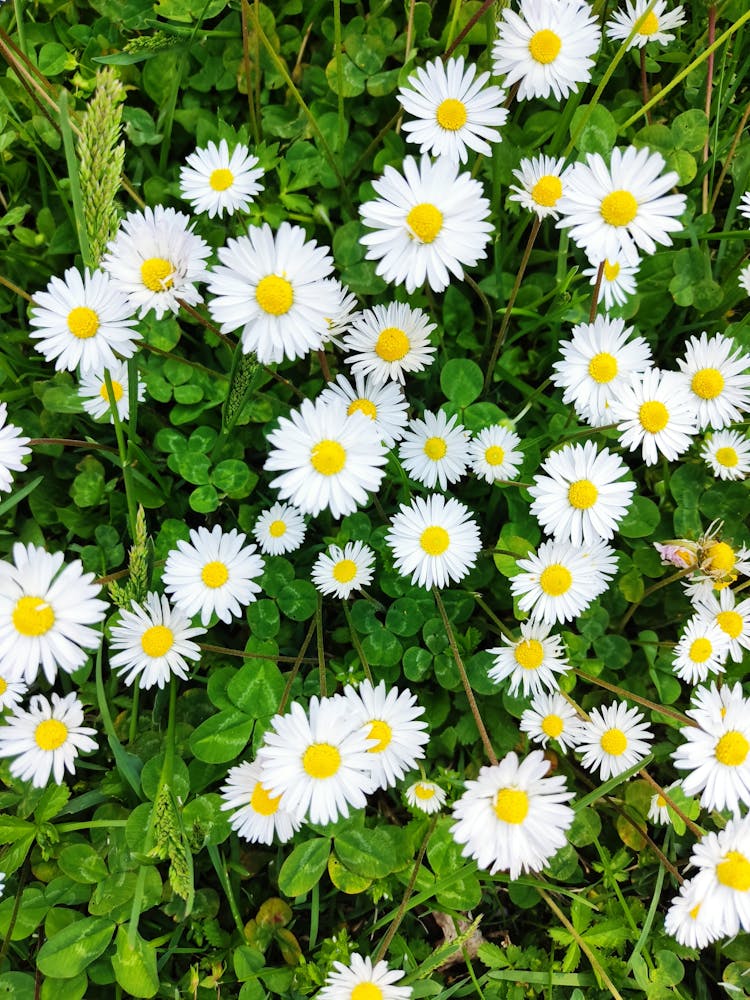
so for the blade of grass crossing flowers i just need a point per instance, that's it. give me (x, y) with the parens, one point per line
(607, 787)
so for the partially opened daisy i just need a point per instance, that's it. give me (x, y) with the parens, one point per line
(429, 223)
(551, 717)
(12, 692)
(613, 740)
(658, 810)
(744, 206)
(215, 180)
(727, 453)
(513, 817)
(95, 395)
(617, 282)
(716, 756)
(426, 796)
(713, 370)
(493, 454)
(258, 816)
(340, 571)
(733, 619)
(744, 279)
(13, 447)
(656, 26)
(361, 980)
(384, 403)
(279, 529)
(541, 180)
(689, 921)
(434, 539)
(720, 563)
(531, 662)
(702, 650)
(723, 877)
(388, 342)
(46, 739)
(435, 450)
(656, 414)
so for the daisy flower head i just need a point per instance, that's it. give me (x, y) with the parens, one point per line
(435, 450)
(617, 209)
(716, 756)
(388, 342)
(531, 662)
(453, 108)
(727, 454)
(744, 279)
(317, 761)
(689, 921)
(513, 817)
(214, 573)
(426, 796)
(215, 181)
(702, 650)
(656, 26)
(47, 614)
(156, 259)
(710, 705)
(618, 281)
(744, 206)
(258, 816)
(713, 372)
(541, 180)
(13, 447)
(361, 980)
(434, 539)
(723, 878)
(658, 810)
(657, 414)
(340, 321)
(279, 529)
(274, 290)
(733, 619)
(94, 394)
(340, 571)
(153, 642)
(327, 458)
(83, 321)
(493, 454)
(717, 564)
(46, 739)
(429, 222)
(383, 402)
(551, 717)
(613, 740)
(12, 692)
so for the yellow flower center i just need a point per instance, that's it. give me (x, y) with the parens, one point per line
(693, 914)
(261, 802)
(83, 322)
(721, 557)
(214, 574)
(611, 271)
(603, 367)
(707, 383)
(618, 208)
(451, 114)
(274, 295)
(3, 686)
(425, 222)
(494, 455)
(435, 448)
(700, 650)
(50, 734)
(730, 622)
(392, 345)
(155, 274)
(529, 654)
(434, 540)
(654, 416)
(582, 494)
(328, 457)
(117, 391)
(344, 570)
(552, 726)
(276, 529)
(555, 580)
(33, 616)
(661, 802)
(547, 191)
(381, 732)
(365, 406)
(511, 805)
(614, 742)
(221, 179)
(321, 760)
(727, 457)
(157, 640)
(732, 748)
(650, 25)
(424, 792)
(545, 46)
(734, 871)
(367, 991)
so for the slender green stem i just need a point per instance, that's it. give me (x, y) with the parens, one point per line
(20, 27)
(355, 641)
(72, 443)
(14, 288)
(467, 27)
(648, 592)
(295, 667)
(133, 727)
(491, 614)
(252, 115)
(648, 923)
(91, 824)
(133, 400)
(16, 905)
(339, 57)
(489, 316)
(727, 161)
(221, 871)
(126, 477)
(321, 648)
(396, 922)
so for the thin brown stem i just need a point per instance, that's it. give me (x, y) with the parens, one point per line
(644, 84)
(323, 362)
(242, 654)
(492, 616)
(709, 90)
(14, 288)
(693, 827)
(298, 660)
(72, 443)
(730, 156)
(396, 922)
(184, 361)
(651, 705)
(467, 28)
(409, 30)
(207, 324)
(595, 293)
(321, 649)
(648, 592)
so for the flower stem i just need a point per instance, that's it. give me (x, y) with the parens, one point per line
(652, 705)
(295, 667)
(395, 923)
(595, 293)
(648, 592)
(126, 478)
(321, 650)
(356, 643)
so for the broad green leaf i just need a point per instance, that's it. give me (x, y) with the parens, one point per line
(304, 866)
(461, 380)
(345, 879)
(222, 737)
(70, 951)
(134, 965)
(641, 519)
(82, 863)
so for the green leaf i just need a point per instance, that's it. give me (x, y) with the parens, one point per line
(18, 986)
(134, 965)
(13, 828)
(31, 912)
(72, 949)
(204, 499)
(233, 477)
(257, 689)
(345, 879)
(82, 863)
(298, 600)
(53, 58)
(690, 130)
(641, 519)
(461, 381)
(598, 134)
(222, 737)
(366, 852)
(304, 866)
(263, 618)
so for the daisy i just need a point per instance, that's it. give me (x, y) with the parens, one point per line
(153, 643)
(93, 393)
(612, 210)
(429, 223)
(657, 414)
(47, 611)
(258, 816)
(360, 980)
(273, 289)
(279, 529)
(531, 662)
(155, 259)
(84, 321)
(723, 878)
(582, 496)
(716, 756)
(744, 205)
(390, 341)
(434, 539)
(385, 404)
(710, 705)
(744, 279)
(214, 573)
(656, 26)
(341, 319)
(12, 450)
(613, 740)
(214, 180)
(426, 796)
(712, 370)
(327, 458)
(513, 817)
(718, 564)
(618, 281)
(340, 571)
(658, 810)
(551, 717)
(3, 877)
(453, 109)
(727, 454)
(46, 739)
(689, 921)
(317, 762)
(541, 180)
(391, 719)
(12, 692)
(597, 363)
(731, 618)
(702, 650)
(435, 450)
(493, 456)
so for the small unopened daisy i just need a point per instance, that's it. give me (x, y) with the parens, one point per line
(744, 279)
(727, 454)
(279, 529)
(716, 756)
(327, 458)
(46, 739)
(656, 414)
(513, 817)
(617, 283)
(340, 571)
(656, 26)
(453, 108)
(723, 878)
(215, 181)
(493, 454)
(435, 540)
(702, 650)
(153, 643)
(361, 980)
(613, 740)
(425, 796)
(722, 609)
(83, 321)
(340, 321)
(658, 810)
(384, 403)
(531, 662)
(12, 450)
(429, 223)
(95, 395)
(214, 574)
(258, 816)
(713, 372)
(388, 342)
(551, 717)
(12, 692)
(435, 450)
(156, 259)
(689, 921)
(541, 180)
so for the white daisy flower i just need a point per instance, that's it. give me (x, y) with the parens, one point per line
(339, 323)
(46, 739)
(493, 456)
(435, 450)
(155, 259)
(93, 393)
(430, 222)
(390, 341)
(689, 921)
(153, 643)
(327, 457)
(340, 571)
(655, 413)
(720, 565)
(723, 878)
(360, 980)
(710, 705)
(12, 692)
(721, 609)
(317, 763)
(551, 717)
(656, 26)
(702, 650)
(434, 539)
(453, 109)
(384, 403)
(541, 180)
(214, 573)
(513, 817)
(279, 529)
(258, 816)
(531, 662)
(727, 454)
(3, 877)
(273, 289)
(426, 796)
(612, 210)
(47, 611)
(582, 497)
(84, 321)
(712, 370)
(658, 810)
(613, 740)
(744, 279)
(215, 181)
(12, 450)
(716, 756)
(744, 206)
(618, 281)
